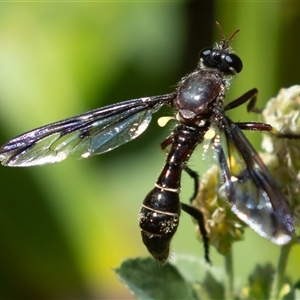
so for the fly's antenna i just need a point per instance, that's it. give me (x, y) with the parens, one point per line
(225, 42)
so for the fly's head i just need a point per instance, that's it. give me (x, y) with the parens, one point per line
(221, 56)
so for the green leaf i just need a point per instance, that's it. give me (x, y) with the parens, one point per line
(294, 292)
(185, 277)
(260, 281)
(206, 281)
(148, 280)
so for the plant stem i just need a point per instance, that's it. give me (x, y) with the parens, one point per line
(278, 279)
(229, 276)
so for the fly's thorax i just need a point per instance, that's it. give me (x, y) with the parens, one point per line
(197, 94)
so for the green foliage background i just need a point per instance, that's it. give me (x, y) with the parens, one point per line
(63, 227)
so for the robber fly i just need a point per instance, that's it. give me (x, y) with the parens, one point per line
(198, 102)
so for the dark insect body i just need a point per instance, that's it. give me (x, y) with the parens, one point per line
(198, 102)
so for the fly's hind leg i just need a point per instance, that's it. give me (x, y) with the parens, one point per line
(196, 213)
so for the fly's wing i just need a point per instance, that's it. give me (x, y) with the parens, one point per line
(87, 134)
(250, 189)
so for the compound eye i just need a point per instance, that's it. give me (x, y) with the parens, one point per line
(205, 53)
(234, 62)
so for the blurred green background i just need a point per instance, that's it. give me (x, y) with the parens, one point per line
(64, 227)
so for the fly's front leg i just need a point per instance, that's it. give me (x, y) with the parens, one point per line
(250, 96)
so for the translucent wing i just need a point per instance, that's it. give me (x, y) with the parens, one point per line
(250, 189)
(87, 134)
